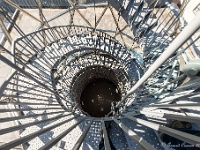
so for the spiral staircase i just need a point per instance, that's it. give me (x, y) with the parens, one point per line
(85, 86)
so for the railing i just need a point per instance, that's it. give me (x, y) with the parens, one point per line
(30, 94)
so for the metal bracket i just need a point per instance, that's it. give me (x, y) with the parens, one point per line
(192, 68)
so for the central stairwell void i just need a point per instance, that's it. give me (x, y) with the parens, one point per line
(96, 99)
(78, 86)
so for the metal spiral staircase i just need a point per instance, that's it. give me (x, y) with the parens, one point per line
(88, 86)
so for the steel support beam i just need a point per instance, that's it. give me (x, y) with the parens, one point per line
(152, 114)
(82, 137)
(181, 77)
(105, 136)
(186, 106)
(193, 84)
(3, 27)
(189, 138)
(188, 31)
(22, 10)
(74, 6)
